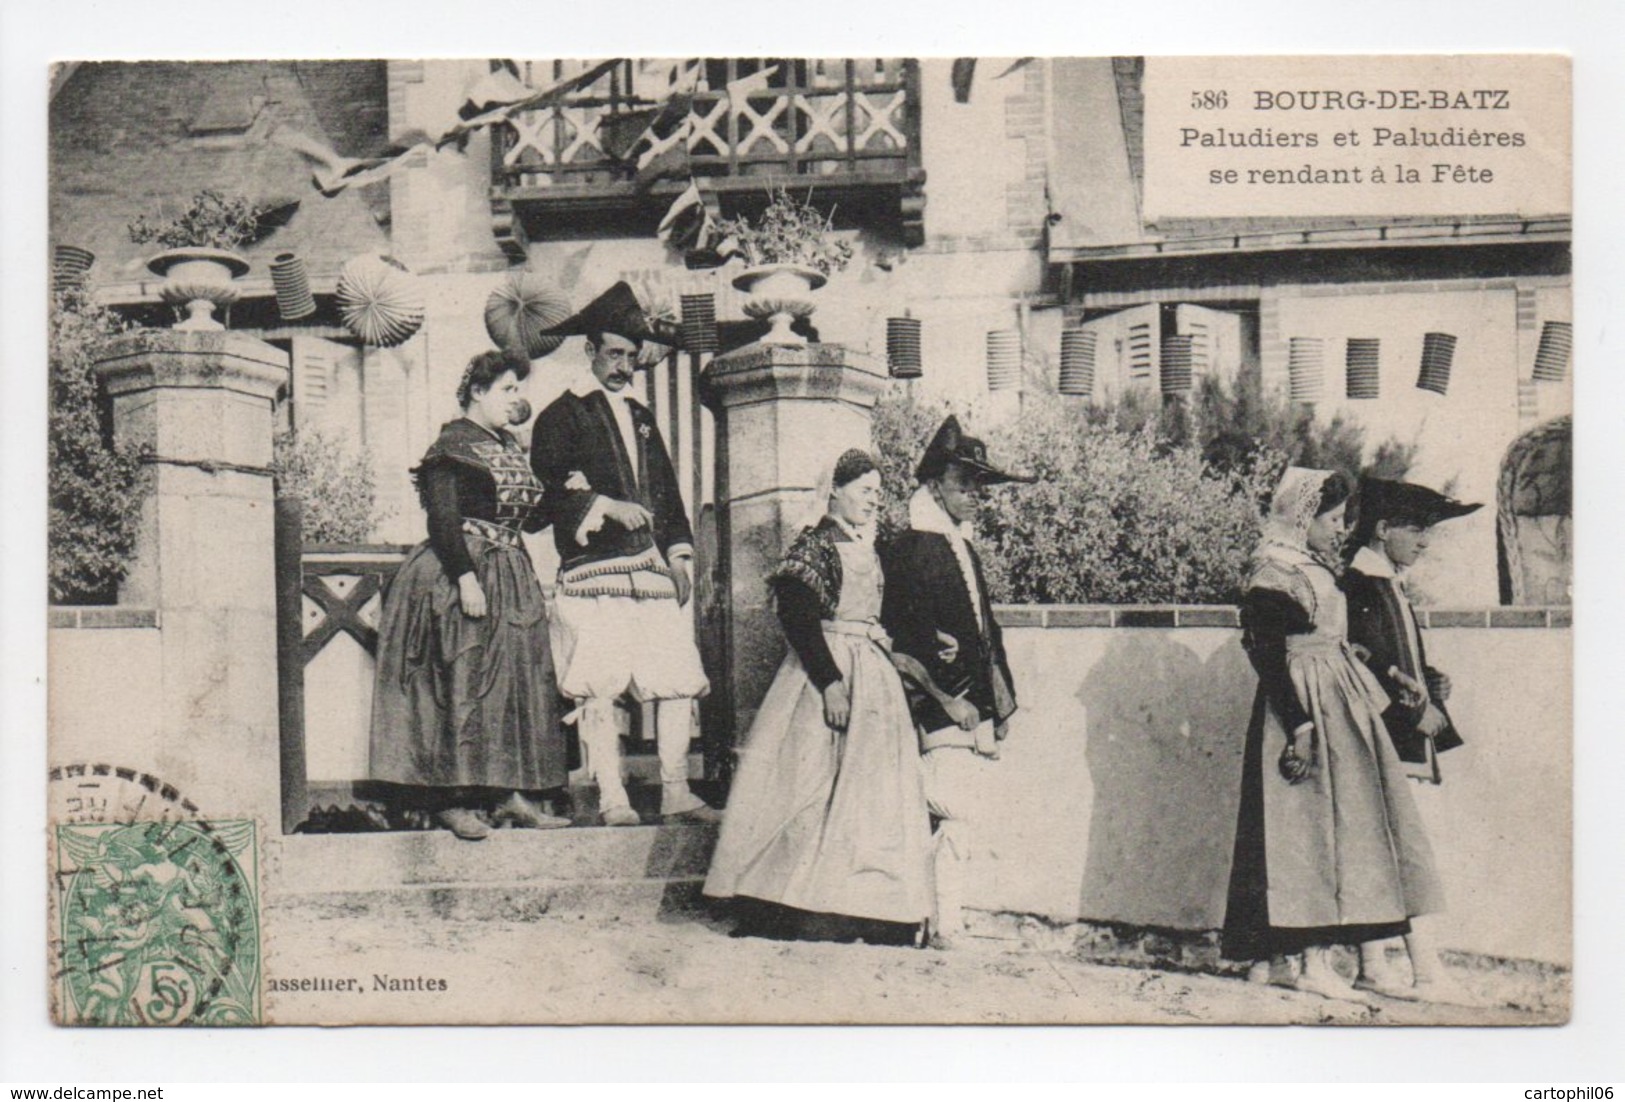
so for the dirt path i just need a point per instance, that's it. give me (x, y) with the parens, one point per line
(589, 969)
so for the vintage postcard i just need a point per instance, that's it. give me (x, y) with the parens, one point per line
(811, 540)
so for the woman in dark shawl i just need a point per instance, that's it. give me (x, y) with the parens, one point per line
(464, 720)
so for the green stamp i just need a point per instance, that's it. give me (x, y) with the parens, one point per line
(159, 923)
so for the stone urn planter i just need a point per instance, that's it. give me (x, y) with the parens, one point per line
(780, 294)
(198, 280)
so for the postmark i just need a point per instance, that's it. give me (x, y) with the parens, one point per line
(158, 923)
(101, 792)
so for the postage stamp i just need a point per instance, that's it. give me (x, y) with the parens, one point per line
(158, 923)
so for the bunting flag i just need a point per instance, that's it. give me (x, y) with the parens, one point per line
(330, 172)
(1018, 63)
(689, 228)
(497, 88)
(665, 160)
(964, 74)
(645, 134)
(501, 112)
(687, 223)
(621, 132)
(753, 84)
(495, 98)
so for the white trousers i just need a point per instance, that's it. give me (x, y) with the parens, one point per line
(955, 783)
(601, 748)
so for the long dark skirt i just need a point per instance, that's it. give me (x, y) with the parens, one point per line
(459, 703)
(1248, 933)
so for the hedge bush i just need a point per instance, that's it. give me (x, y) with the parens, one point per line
(336, 486)
(1144, 502)
(92, 483)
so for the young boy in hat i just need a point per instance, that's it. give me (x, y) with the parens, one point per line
(625, 554)
(950, 649)
(1389, 537)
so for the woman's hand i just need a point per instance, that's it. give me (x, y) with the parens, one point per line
(963, 713)
(1433, 721)
(949, 648)
(1294, 762)
(471, 596)
(837, 705)
(1412, 693)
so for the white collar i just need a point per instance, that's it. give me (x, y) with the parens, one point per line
(926, 515)
(1373, 564)
(586, 384)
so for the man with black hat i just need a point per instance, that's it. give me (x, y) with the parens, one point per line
(950, 650)
(1389, 536)
(625, 554)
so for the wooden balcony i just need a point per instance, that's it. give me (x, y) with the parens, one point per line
(846, 130)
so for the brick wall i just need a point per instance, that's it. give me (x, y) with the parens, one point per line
(1026, 119)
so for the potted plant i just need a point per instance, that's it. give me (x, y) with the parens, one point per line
(790, 251)
(200, 260)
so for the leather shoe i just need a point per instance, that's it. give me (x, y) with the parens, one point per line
(520, 812)
(463, 823)
(622, 816)
(705, 813)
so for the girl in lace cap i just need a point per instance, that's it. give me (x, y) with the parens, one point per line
(1329, 847)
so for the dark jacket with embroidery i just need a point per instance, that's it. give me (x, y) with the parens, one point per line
(925, 594)
(577, 433)
(1377, 623)
(807, 590)
(471, 473)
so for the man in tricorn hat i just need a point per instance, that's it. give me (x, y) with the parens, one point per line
(947, 643)
(1391, 533)
(625, 557)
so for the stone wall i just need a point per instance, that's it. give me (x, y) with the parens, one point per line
(1115, 799)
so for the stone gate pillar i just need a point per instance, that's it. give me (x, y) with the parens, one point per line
(783, 414)
(199, 404)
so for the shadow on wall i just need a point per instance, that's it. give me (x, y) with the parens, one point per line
(1165, 735)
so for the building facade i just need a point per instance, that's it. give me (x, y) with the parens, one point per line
(999, 196)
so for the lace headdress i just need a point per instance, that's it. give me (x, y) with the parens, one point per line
(1294, 506)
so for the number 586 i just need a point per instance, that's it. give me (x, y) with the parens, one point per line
(1210, 101)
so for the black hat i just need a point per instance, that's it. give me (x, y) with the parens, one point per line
(618, 311)
(1404, 503)
(951, 445)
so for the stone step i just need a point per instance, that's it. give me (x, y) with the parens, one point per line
(598, 901)
(312, 864)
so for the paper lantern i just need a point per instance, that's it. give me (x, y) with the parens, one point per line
(70, 266)
(903, 348)
(700, 323)
(1362, 361)
(1003, 359)
(524, 304)
(1176, 364)
(1078, 362)
(380, 301)
(1438, 350)
(1305, 367)
(292, 283)
(1556, 347)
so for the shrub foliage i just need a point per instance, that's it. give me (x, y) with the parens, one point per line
(94, 504)
(336, 486)
(1143, 502)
